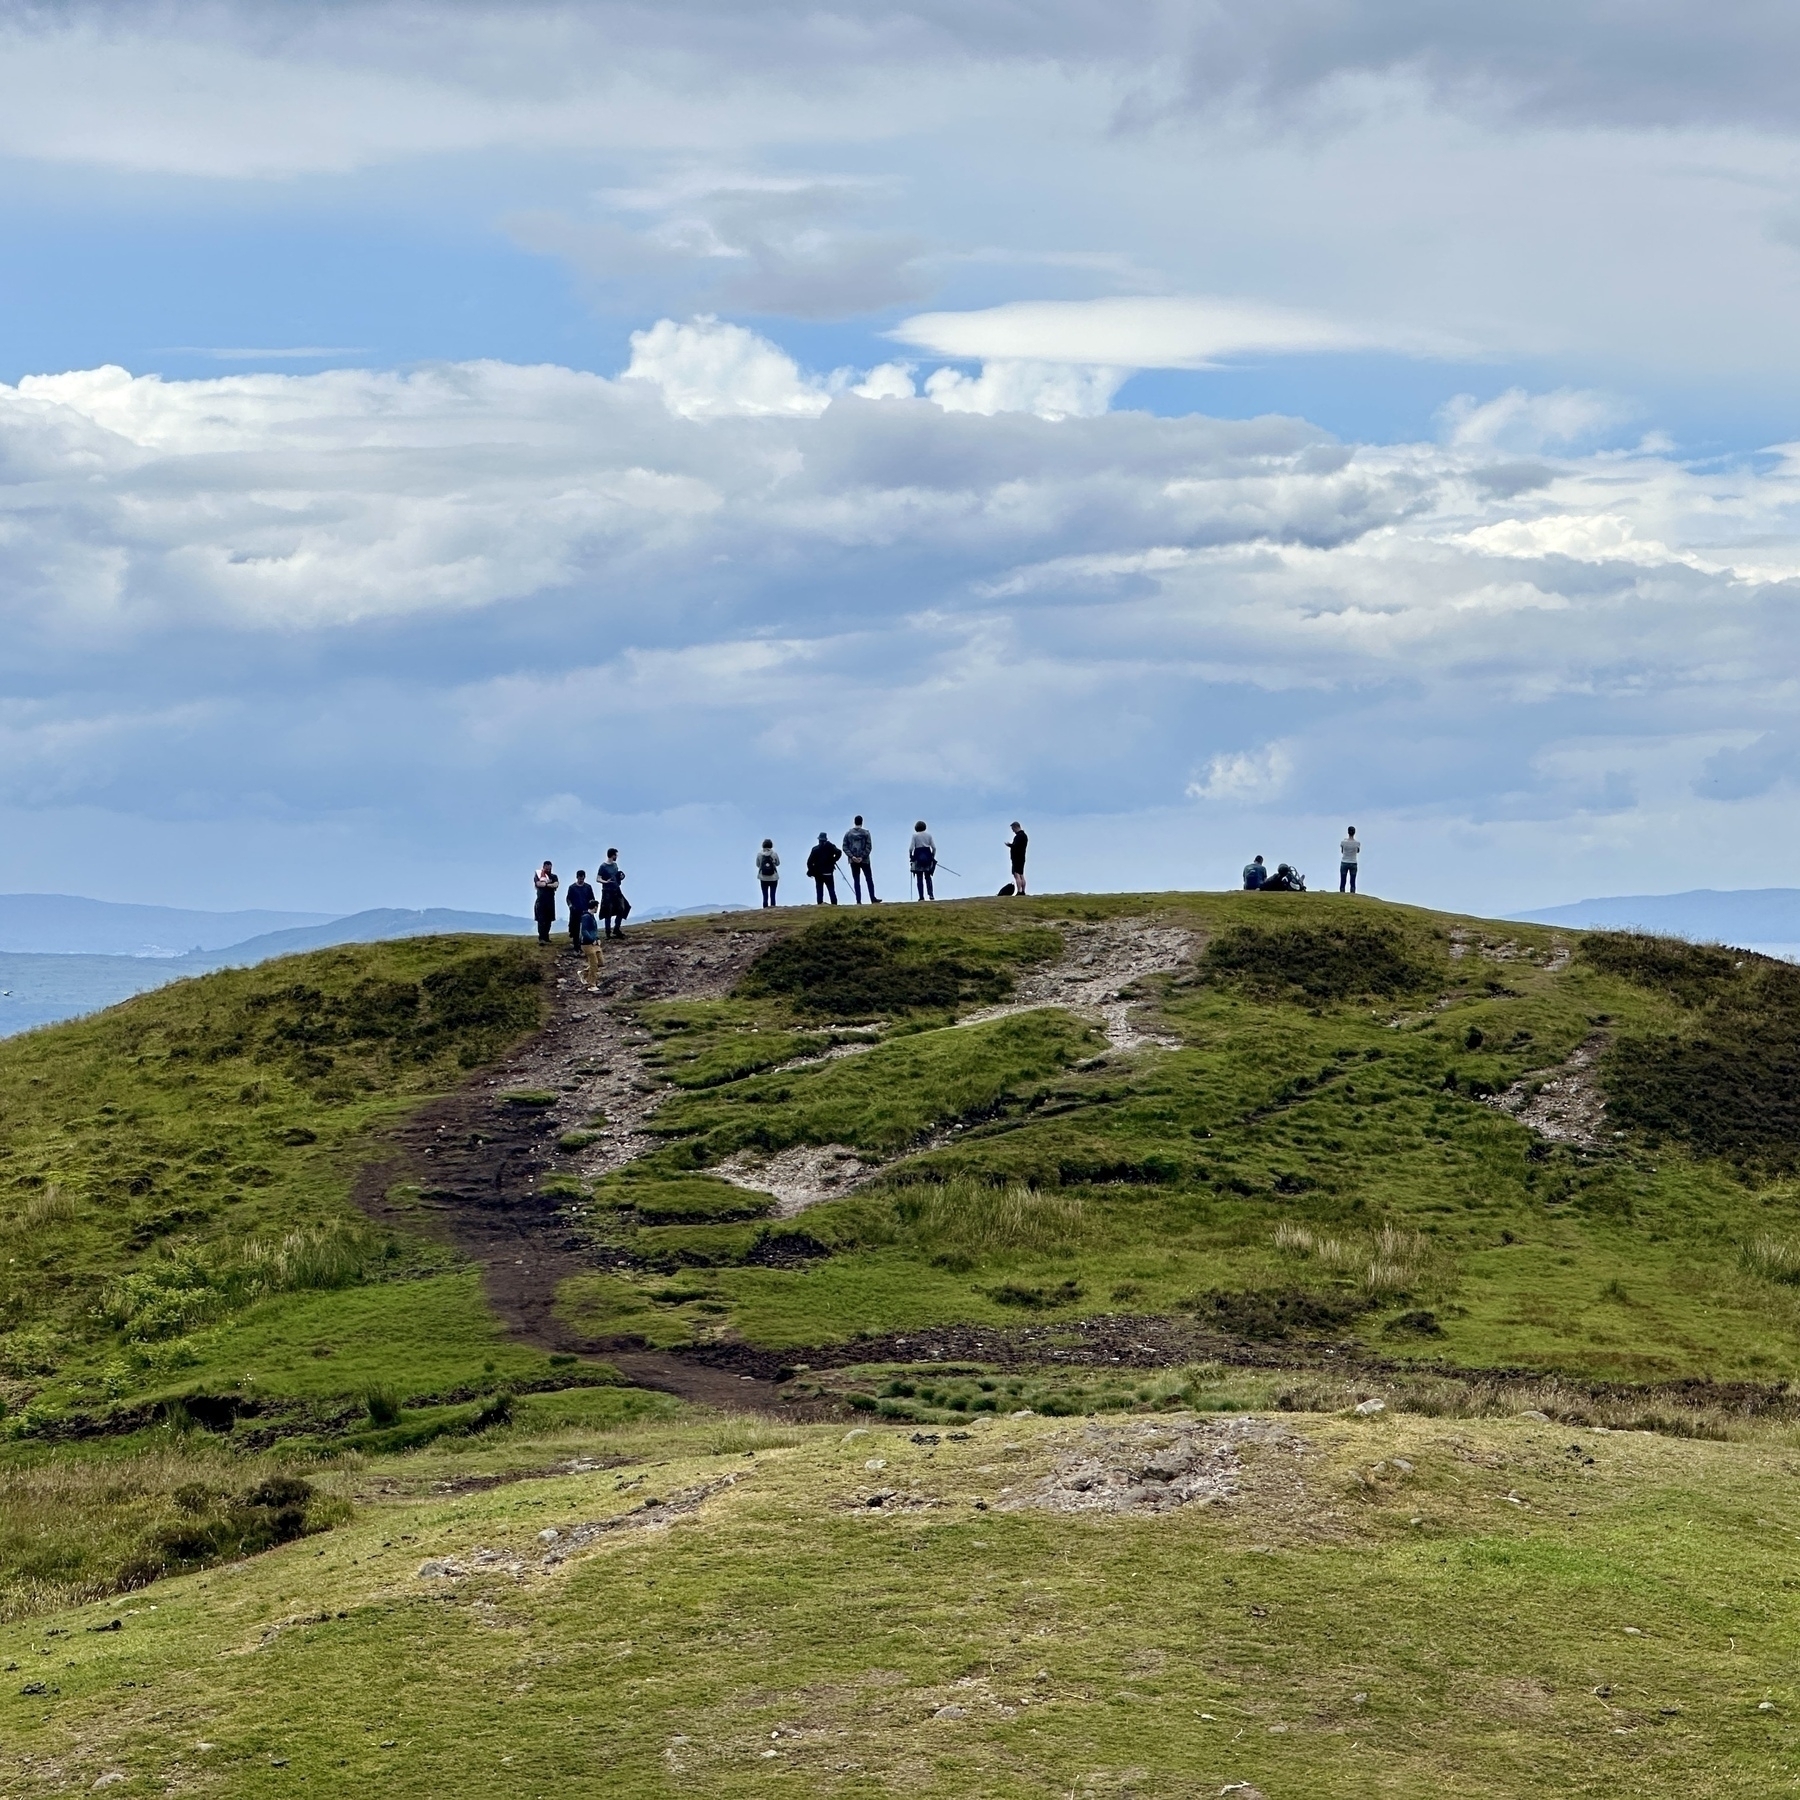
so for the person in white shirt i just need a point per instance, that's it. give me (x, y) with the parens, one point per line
(1348, 851)
(923, 858)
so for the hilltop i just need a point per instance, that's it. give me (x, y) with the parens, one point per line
(1297, 1255)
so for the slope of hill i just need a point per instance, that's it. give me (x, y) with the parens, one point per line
(1140, 1343)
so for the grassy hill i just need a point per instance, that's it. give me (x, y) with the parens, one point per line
(1184, 1340)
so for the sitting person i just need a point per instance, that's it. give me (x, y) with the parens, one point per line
(1286, 880)
(1255, 873)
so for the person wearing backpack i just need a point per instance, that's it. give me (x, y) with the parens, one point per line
(590, 951)
(615, 909)
(859, 846)
(543, 906)
(821, 865)
(1256, 874)
(768, 870)
(922, 855)
(581, 902)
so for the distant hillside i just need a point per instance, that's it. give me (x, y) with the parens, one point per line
(40, 990)
(1758, 918)
(376, 926)
(64, 924)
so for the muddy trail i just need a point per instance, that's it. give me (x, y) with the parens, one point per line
(479, 1157)
(477, 1163)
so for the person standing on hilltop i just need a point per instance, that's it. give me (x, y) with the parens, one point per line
(615, 909)
(923, 856)
(580, 898)
(544, 901)
(1016, 849)
(1348, 851)
(821, 865)
(768, 870)
(859, 846)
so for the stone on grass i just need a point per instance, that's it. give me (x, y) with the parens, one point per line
(1366, 1407)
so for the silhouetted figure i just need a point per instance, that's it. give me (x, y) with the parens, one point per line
(922, 855)
(821, 865)
(1348, 851)
(1255, 874)
(859, 847)
(543, 908)
(615, 909)
(580, 902)
(1016, 849)
(768, 870)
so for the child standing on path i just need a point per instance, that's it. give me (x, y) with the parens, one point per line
(768, 870)
(590, 951)
(1348, 851)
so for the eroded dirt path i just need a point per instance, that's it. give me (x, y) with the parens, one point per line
(475, 1162)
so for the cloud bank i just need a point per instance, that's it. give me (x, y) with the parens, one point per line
(471, 601)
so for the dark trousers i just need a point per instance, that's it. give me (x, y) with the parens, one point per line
(823, 885)
(768, 888)
(544, 922)
(575, 928)
(1347, 874)
(859, 873)
(922, 881)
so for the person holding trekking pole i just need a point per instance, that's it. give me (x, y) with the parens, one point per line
(1348, 851)
(821, 865)
(768, 870)
(923, 856)
(859, 846)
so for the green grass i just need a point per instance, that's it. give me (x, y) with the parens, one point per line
(1411, 1607)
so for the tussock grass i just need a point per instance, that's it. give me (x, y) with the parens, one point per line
(1389, 1261)
(1775, 1258)
(974, 1222)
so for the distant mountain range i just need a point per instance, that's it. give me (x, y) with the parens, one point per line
(62, 955)
(1766, 919)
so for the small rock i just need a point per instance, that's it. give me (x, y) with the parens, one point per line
(880, 1497)
(388, 1743)
(1766, 1706)
(951, 1712)
(1632, 1631)
(35, 1687)
(1516, 1499)
(1403, 1465)
(1024, 1412)
(874, 1463)
(549, 1535)
(111, 1778)
(278, 1762)
(1244, 1790)
(1536, 1417)
(1367, 1407)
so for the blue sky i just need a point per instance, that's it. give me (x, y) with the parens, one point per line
(438, 436)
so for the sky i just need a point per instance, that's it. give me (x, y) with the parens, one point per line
(434, 437)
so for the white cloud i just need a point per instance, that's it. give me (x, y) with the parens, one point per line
(1517, 420)
(1051, 390)
(887, 381)
(1245, 777)
(708, 370)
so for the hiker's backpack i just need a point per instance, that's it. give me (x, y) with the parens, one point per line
(766, 865)
(590, 928)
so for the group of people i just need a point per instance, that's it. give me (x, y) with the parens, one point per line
(858, 851)
(592, 916)
(1288, 880)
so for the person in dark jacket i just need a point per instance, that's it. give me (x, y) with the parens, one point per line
(1016, 847)
(580, 899)
(543, 907)
(615, 909)
(1256, 874)
(859, 846)
(821, 865)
